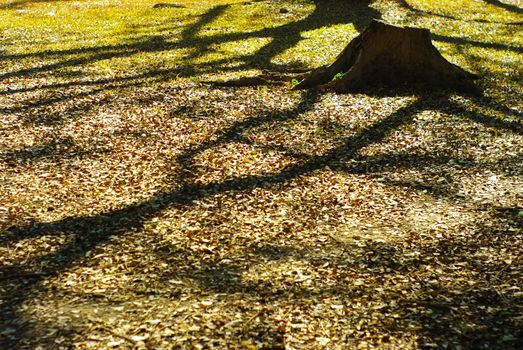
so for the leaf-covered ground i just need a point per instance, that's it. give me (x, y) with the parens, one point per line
(141, 207)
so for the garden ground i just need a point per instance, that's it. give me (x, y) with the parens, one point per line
(143, 207)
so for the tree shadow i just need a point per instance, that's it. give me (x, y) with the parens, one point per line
(472, 313)
(86, 233)
(514, 126)
(411, 8)
(463, 41)
(89, 232)
(326, 13)
(153, 43)
(441, 309)
(161, 5)
(283, 37)
(55, 150)
(505, 6)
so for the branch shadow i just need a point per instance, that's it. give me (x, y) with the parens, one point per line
(463, 41)
(54, 150)
(89, 232)
(505, 6)
(326, 13)
(406, 5)
(86, 233)
(161, 5)
(440, 310)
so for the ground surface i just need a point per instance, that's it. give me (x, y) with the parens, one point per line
(143, 208)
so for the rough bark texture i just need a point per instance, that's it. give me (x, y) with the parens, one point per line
(384, 54)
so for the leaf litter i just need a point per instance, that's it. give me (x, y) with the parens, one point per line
(173, 214)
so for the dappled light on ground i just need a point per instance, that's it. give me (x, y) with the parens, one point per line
(143, 208)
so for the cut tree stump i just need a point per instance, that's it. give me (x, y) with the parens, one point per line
(393, 56)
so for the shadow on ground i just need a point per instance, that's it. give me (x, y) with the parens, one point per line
(471, 313)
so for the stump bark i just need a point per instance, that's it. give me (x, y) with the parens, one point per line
(393, 56)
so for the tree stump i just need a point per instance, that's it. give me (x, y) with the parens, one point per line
(393, 56)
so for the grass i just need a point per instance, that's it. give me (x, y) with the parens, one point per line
(143, 208)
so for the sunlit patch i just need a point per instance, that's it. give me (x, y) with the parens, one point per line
(239, 53)
(493, 189)
(331, 39)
